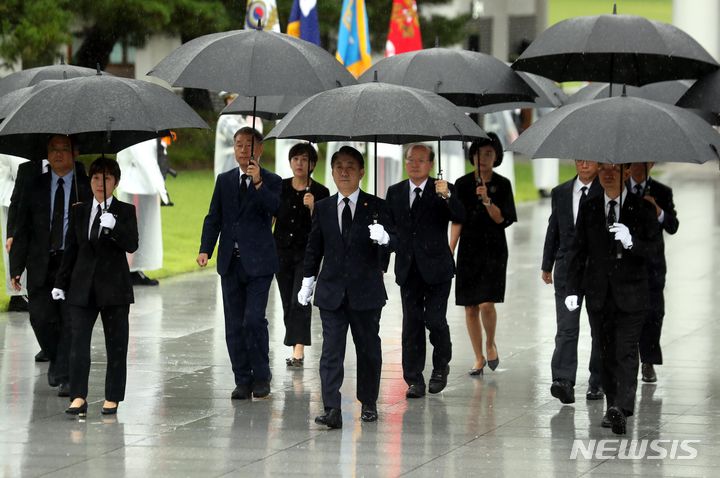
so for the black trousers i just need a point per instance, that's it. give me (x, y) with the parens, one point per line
(365, 328)
(564, 361)
(424, 306)
(246, 328)
(115, 327)
(619, 334)
(289, 279)
(50, 320)
(650, 351)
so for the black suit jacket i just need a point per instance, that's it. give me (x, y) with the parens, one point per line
(561, 224)
(664, 198)
(425, 237)
(354, 270)
(31, 240)
(593, 265)
(247, 222)
(99, 266)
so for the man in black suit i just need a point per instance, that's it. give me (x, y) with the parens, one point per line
(40, 229)
(661, 197)
(420, 210)
(565, 200)
(349, 236)
(608, 261)
(243, 204)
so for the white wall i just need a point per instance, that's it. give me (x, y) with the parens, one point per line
(701, 19)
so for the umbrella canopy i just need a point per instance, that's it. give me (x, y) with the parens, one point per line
(11, 100)
(664, 91)
(378, 112)
(33, 76)
(549, 95)
(620, 130)
(266, 107)
(704, 94)
(253, 63)
(104, 114)
(466, 78)
(624, 49)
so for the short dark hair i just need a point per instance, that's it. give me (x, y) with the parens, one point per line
(493, 141)
(431, 153)
(106, 166)
(348, 151)
(304, 148)
(72, 143)
(250, 131)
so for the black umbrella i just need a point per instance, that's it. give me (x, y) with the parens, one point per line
(620, 130)
(663, 91)
(33, 76)
(623, 49)
(104, 114)
(11, 100)
(466, 78)
(704, 94)
(266, 107)
(378, 112)
(549, 95)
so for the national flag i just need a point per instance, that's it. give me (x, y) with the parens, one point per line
(262, 12)
(353, 49)
(303, 21)
(404, 34)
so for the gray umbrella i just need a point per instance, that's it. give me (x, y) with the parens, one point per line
(11, 100)
(266, 107)
(624, 49)
(549, 95)
(663, 91)
(104, 114)
(466, 78)
(620, 130)
(33, 76)
(253, 63)
(704, 94)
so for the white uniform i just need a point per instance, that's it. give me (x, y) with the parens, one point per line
(142, 184)
(8, 173)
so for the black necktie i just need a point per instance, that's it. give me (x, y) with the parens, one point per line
(583, 196)
(95, 228)
(639, 189)
(243, 184)
(416, 202)
(346, 220)
(58, 217)
(611, 217)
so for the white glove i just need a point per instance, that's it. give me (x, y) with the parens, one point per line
(107, 220)
(378, 234)
(306, 290)
(58, 294)
(571, 302)
(622, 234)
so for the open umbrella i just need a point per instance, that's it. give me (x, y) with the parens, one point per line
(624, 49)
(33, 76)
(663, 91)
(378, 112)
(266, 107)
(704, 94)
(549, 95)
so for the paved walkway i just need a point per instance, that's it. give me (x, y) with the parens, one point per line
(178, 419)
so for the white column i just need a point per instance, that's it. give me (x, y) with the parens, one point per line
(700, 19)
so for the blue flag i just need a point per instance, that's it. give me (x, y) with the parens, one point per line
(353, 48)
(303, 21)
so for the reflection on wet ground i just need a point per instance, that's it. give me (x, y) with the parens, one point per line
(178, 419)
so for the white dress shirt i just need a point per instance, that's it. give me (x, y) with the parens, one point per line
(577, 193)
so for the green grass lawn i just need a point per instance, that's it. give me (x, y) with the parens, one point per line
(654, 9)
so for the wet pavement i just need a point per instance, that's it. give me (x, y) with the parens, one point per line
(178, 420)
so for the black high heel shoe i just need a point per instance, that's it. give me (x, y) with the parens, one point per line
(493, 364)
(478, 371)
(110, 411)
(80, 411)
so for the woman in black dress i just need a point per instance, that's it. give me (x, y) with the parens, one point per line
(292, 227)
(483, 253)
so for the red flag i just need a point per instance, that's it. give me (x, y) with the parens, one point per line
(404, 32)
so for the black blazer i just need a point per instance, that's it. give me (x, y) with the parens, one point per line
(247, 222)
(561, 224)
(593, 265)
(425, 237)
(354, 271)
(31, 240)
(99, 266)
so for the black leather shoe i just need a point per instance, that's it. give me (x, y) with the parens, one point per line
(618, 422)
(369, 413)
(241, 392)
(261, 389)
(79, 411)
(563, 391)
(41, 357)
(606, 423)
(415, 391)
(648, 373)
(331, 419)
(64, 390)
(110, 410)
(139, 278)
(438, 380)
(594, 393)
